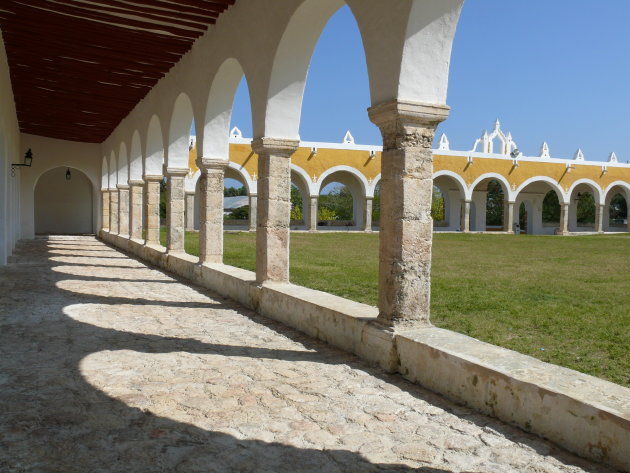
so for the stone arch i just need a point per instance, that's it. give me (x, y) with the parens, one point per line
(123, 165)
(597, 191)
(135, 157)
(576, 193)
(179, 133)
(372, 188)
(64, 205)
(453, 189)
(357, 185)
(616, 188)
(480, 198)
(216, 129)
(291, 61)
(154, 159)
(239, 173)
(304, 184)
(533, 193)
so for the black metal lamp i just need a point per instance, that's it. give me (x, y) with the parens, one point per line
(68, 174)
(28, 160)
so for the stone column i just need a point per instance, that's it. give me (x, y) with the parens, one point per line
(136, 188)
(406, 229)
(508, 217)
(274, 207)
(465, 226)
(152, 210)
(175, 210)
(211, 209)
(367, 218)
(599, 218)
(312, 213)
(123, 209)
(105, 210)
(564, 219)
(113, 211)
(190, 211)
(253, 211)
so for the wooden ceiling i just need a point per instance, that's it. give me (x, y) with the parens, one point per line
(78, 67)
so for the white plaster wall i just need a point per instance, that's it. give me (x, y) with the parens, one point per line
(63, 206)
(478, 224)
(49, 153)
(10, 152)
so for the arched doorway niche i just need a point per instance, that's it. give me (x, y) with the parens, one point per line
(452, 193)
(64, 202)
(334, 212)
(542, 203)
(237, 203)
(583, 208)
(616, 210)
(489, 199)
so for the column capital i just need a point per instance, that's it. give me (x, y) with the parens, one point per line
(136, 182)
(276, 146)
(206, 164)
(189, 192)
(122, 186)
(105, 189)
(177, 172)
(153, 178)
(409, 113)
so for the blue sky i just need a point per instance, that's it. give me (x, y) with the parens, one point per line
(549, 70)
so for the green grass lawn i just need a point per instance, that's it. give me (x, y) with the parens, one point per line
(565, 300)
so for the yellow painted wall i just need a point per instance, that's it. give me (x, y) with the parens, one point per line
(316, 165)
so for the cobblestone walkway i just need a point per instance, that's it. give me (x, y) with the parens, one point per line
(107, 365)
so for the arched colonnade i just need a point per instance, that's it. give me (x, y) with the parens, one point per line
(407, 47)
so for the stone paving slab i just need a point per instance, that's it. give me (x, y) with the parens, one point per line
(107, 365)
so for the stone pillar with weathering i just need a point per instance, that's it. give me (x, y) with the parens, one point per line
(175, 210)
(367, 218)
(274, 207)
(564, 219)
(105, 209)
(465, 226)
(211, 209)
(253, 211)
(123, 209)
(152, 210)
(190, 211)
(508, 217)
(113, 211)
(406, 226)
(136, 191)
(599, 218)
(312, 213)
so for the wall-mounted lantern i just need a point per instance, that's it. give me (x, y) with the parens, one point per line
(68, 174)
(28, 161)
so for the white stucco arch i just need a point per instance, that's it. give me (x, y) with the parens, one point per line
(307, 182)
(154, 155)
(461, 184)
(597, 190)
(564, 198)
(375, 182)
(190, 181)
(104, 174)
(214, 141)
(179, 132)
(123, 165)
(135, 157)
(624, 185)
(243, 175)
(113, 170)
(292, 58)
(361, 179)
(507, 190)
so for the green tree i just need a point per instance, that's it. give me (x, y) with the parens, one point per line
(339, 201)
(551, 208)
(242, 213)
(297, 206)
(163, 198)
(326, 214)
(376, 204)
(494, 205)
(438, 212)
(586, 208)
(618, 208)
(234, 191)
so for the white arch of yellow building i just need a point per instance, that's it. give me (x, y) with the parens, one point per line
(461, 176)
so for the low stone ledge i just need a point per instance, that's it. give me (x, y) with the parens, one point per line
(586, 415)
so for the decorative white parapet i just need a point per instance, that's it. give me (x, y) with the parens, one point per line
(444, 144)
(236, 133)
(544, 150)
(612, 158)
(579, 155)
(348, 138)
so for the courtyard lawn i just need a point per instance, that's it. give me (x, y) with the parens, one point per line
(564, 300)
